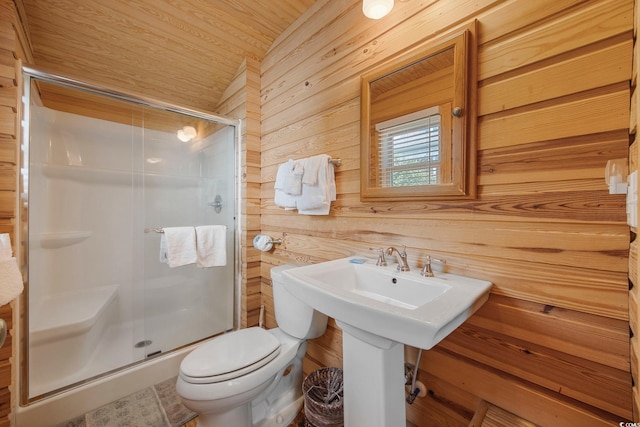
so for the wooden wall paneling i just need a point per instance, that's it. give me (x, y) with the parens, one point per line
(596, 65)
(536, 404)
(445, 404)
(595, 246)
(341, 59)
(603, 293)
(580, 157)
(598, 339)
(543, 229)
(595, 384)
(7, 36)
(564, 32)
(241, 101)
(634, 279)
(13, 48)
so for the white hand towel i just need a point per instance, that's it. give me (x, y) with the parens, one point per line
(164, 256)
(5, 246)
(211, 245)
(293, 178)
(281, 198)
(10, 280)
(10, 277)
(181, 245)
(316, 199)
(312, 168)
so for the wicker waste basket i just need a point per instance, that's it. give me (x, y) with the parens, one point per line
(324, 398)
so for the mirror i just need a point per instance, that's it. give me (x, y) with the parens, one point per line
(418, 123)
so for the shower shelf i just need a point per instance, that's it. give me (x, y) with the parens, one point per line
(114, 176)
(61, 239)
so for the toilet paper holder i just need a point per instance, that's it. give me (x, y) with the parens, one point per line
(264, 242)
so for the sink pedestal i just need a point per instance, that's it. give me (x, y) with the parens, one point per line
(373, 370)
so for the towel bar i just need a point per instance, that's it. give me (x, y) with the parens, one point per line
(153, 230)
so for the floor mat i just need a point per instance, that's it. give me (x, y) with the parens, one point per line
(177, 413)
(157, 406)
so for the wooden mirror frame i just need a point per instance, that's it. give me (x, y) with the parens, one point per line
(463, 127)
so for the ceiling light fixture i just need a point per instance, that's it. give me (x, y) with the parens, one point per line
(376, 9)
(187, 133)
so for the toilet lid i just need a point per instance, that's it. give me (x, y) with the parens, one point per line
(230, 355)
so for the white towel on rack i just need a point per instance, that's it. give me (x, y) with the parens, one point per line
(10, 278)
(180, 244)
(164, 256)
(318, 186)
(293, 177)
(5, 246)
(211, 245)
(281, 198)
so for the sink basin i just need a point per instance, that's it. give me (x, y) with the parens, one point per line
(400, 306)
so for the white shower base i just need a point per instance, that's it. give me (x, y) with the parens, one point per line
(79, 400)
(116, 347)
(79, 336)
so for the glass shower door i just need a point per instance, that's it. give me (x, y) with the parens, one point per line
(100, 171)
(186, 184)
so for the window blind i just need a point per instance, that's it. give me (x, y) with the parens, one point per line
(409, 149)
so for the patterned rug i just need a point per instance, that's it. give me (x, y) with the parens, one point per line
(157, 406)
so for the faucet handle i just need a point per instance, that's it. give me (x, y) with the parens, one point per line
(381, 262)
(426, 268)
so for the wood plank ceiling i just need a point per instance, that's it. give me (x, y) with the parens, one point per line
(181, 51)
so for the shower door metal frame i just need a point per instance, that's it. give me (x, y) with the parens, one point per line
(31, 73)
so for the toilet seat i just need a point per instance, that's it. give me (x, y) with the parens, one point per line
(230, 356)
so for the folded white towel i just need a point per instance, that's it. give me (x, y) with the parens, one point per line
(281, 198)
(10, 277)
(5, 246)
(211, 245)
(164, 257)
(293, 178)
(10, 280)
(316, 198)
(312, 168)
(180, 243)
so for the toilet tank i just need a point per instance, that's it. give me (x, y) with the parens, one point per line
(293, 316)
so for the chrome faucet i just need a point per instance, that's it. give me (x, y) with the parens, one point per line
(401, 257)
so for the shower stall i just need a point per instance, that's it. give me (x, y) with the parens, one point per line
(103, 174)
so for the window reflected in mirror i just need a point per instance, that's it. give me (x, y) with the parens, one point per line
(417, 117)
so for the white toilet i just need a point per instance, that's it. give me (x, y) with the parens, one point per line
(252, 377)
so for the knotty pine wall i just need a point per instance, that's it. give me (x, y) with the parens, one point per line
(552, 343)
(241, 101)
(634, 267)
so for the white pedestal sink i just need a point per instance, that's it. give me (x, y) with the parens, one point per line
(379, 310)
